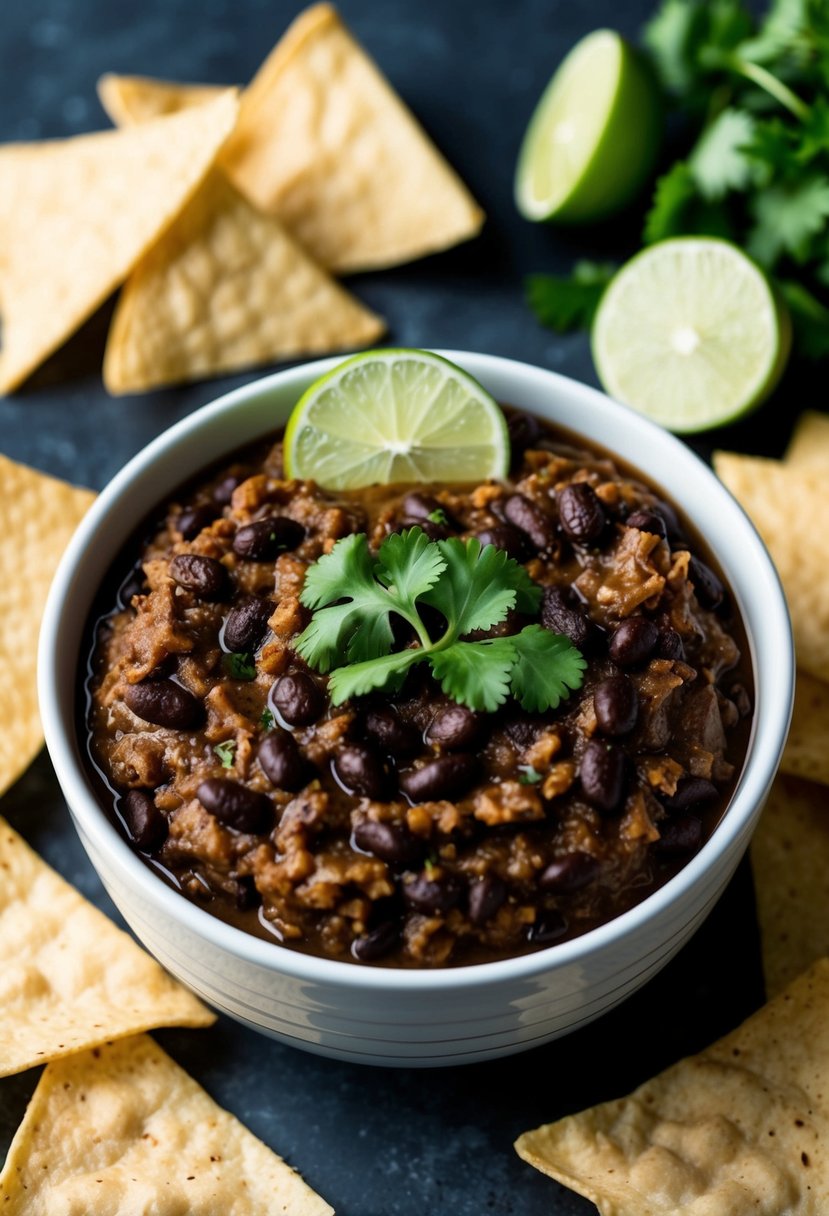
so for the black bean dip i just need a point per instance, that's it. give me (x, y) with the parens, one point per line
(402, 827)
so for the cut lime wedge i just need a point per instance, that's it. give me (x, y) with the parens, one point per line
(388, 416)
(594, 135)
(691, 333)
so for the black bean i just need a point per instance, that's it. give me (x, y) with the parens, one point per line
(362, 772)
(692, 792)
(446, 777)
(236, 805)
(391, 842)
(679, 836)
(298, 699)
(560, 616)
(524, 432)
(569, 873)
(434, 531)
(193, 520)
(486, 896)
(672, 524)
(145, 823)
(549, 927)
(418, 506)
(648, 521)
(164, 669)
(433, 895)
(512, 540)
(377, 943)
(455, 728)
(204, 576)
(708, 588)
(633, 641)
(525, 514)
(224, 490)
(282, 762)
(134, 584)
(261, 541)
(669, 645)
(246, 623)
(616, 703)
(164, 703)
(580, 513)
(386, 729)
(247, 896)
(602, 775)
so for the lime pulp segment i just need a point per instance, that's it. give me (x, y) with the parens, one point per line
(690, 333)
(396, 416)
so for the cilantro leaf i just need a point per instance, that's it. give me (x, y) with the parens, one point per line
(810, 320)
(565, 303)
(225, 752)
(529, 775)
(689, 41)
(409, 565)
(547, 667)
(719, 162)
(786, 218)
(267, 720)
(476, 674)
(473, 592)
(678, 208)
(357, 679)
(239, 666)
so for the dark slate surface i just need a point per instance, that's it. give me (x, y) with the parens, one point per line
(396, 1142)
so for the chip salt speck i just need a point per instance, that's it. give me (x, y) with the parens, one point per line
(69, 979)
(123, 1131)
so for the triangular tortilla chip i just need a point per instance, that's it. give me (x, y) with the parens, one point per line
(123, 1130)
(809, 445)
(38, 514)
(325, 143)
(789, 506)
(77, 214)
(69, 979)
(133, 99)
(226, 288)
(742, 1129)
(807, 747)
(790, 860)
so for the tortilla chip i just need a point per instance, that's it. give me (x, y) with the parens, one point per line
(133, 99)
(742, 1128)
(38, 514)
(69, 979)
(325, 143)
(77, 214)
(807, 748)
(790, 509)
(790, 860)
(226, 288)
(122, 1129)
(809, 445)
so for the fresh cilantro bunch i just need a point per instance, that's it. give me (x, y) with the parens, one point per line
(355, 595)
(751, 107)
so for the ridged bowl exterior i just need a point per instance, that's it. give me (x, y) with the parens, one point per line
(386, 1015)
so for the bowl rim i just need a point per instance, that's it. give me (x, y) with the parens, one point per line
(770, 727)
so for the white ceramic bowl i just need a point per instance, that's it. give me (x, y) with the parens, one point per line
(450, 1015)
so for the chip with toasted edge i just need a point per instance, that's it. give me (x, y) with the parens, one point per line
(325, 143)
(69, 979)
(122, 1129)
(790, 861)
(742, 1128)
(38, 515)
(789, 506)
(226, 288)
(133, 99)
(809, 445)
(807, 747)
(77, 214)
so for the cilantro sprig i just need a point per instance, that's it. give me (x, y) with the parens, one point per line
(355, 595)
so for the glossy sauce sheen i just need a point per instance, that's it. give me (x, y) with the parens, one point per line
(403, 829)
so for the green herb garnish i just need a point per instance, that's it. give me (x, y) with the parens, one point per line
(438, 516)
(565, 303)
(225, 752)
(529, 776)
(239, 666)
(473, 588)
(267, 720)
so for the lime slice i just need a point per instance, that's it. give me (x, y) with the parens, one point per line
(691, 333)
(395, 415)
(594, 135)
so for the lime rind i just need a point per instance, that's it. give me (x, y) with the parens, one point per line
(396, 415)
(691, 333)
(594, 135)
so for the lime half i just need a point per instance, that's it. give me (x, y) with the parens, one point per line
(691, 333)
(388, 416)
(594, 135)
